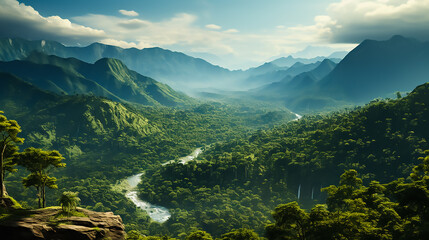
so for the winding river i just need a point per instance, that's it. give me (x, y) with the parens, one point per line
(297, 117)
(157, 213)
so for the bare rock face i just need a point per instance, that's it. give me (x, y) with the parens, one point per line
(43, 224)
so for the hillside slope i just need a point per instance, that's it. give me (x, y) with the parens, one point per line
(378, 68)
(106, 78)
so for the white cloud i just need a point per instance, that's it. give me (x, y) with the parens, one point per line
(231, 30)
(352, 21)
(213, 26)
(20, 20)
(178, 32)
(124, 44)
(182, 33)
(128, 13)
(133, 23)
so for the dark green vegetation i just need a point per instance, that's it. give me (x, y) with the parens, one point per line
(395, 210)
(104, 141)
(68, 201)
(248, 176)
(353, 210)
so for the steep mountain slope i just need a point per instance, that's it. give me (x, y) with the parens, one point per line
(107, 78)
(175, 68)
(373, 69)
(55, 79)
(378, 68)
(18, 97)
(56, 115)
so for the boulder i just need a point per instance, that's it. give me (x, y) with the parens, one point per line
(43, 224)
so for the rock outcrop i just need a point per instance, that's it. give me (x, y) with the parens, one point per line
(45, 224)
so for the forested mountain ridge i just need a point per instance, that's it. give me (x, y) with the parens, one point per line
(57, 116)
(174, 68)
(107, 78)
(382, 141)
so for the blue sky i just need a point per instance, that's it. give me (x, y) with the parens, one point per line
(247, 15)
(233, 34)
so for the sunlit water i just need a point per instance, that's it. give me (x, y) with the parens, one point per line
(157, 213)
(297, 117)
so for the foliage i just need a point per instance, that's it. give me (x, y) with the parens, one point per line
(241, 234)
(9, 130)
(68, 201)
(243, 174)
(38, 162)
(105, 141)
(250, 176)
(396, 210)
(199, 235)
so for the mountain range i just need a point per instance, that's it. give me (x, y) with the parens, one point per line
(174, 68)
(373, 69)
(290, 60)
(178, 70)
(107, 77)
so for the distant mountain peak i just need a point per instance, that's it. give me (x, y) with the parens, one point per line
(398, 38)
(327, 62)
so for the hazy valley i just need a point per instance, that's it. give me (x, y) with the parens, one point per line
(301, 146)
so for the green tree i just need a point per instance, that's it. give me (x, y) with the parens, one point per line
(349, 182)
(9, 130)
(241, 234)
(134, 235)
(398, 95)
(290, 219)
(422, 170)
(39, 162)
(68, 201)
(199, 235)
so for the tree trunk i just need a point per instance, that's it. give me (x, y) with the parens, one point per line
(3, 188)
(43, 196)
(39, 196)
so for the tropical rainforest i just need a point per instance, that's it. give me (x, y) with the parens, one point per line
(358, 172)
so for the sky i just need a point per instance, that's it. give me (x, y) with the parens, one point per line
(236, 34)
